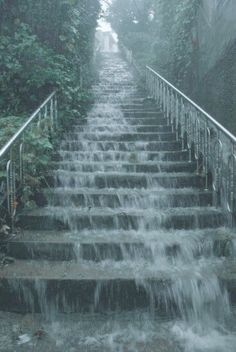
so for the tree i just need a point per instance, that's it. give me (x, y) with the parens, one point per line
(43, 45)
(160, 33)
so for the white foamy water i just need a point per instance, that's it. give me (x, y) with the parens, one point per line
(103, 196)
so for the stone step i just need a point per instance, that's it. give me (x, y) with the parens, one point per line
(140, 156)
(130, 114)
(117, 85)
(119, 95)
(150, 167)
(104, 110)
(131, 90)
(114, 85)
(228, 279)
(126, 180)
(128, 198)
(97, 332)
(120, 146)
(131, 226)
(133, 121)
(117, 246)
(145, 105)
(51, 218)
(37, 286)
(109, 88)
(121, 136)
(115, 110)
(118, 127)
(143, 114)
(135, 100)
(140, 110)
(137, 121)
(118, 92)
(120, 99)
(42, 286)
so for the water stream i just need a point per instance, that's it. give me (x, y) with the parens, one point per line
(97, 161)
(102, 193)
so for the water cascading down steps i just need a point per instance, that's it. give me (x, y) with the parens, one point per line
(128, 225)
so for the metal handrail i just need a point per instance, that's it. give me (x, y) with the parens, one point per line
(12, 153)
(208, 142)
(8, 145)
(216, 123)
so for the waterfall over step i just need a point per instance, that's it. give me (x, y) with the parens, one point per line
(129, 245)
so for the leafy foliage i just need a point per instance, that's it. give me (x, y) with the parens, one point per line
(38, 150)
(44, 45)
(170, 44)
(160, 33)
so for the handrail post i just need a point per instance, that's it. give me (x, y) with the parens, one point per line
(11, 188)
(21, 163)
(56, 111)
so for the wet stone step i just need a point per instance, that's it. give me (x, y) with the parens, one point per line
(118, 99)
(127, 198)
(117, 127)
(145, 105)
(123, 95)
(120, 146)
(138, 120)
(129, 225)
(130, 167)
(69, 287)
(121, 136)
(125, 180)
(128, 121)
(113, 90)
(140, 110)
(146, 326)
(140, 156)
(228, 278)
(112, 110)
(132, 88)
(68, 251)
(41, 286)
(117, 246)
(108, 219)
(115, 85)
(138, 114)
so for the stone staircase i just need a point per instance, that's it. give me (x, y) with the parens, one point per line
(128, 223)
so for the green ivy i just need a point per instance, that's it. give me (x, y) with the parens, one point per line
(44, 45)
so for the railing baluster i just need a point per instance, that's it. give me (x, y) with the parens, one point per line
(15, 160)
(218, 160)
(22, 163)
(51, 114)
(206, 154)
(182, 123)
(11, 187)
(214, 146)
(56, 111)
(231, 185)
(197, 143)
(177, 116)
